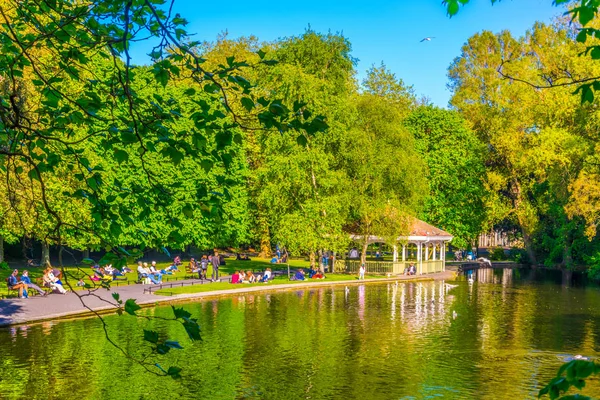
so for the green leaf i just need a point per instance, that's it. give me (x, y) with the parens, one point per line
(247, 103)
(206, 165)
(173, 344)
(301, 140)
(161, 75)
(586, 14)
(131, 306)
(582, 36)
(51, 97)
(151, 336)
(453, 7)
(121, 156)
(192, 328)
(188, 211)
(174, 372)
(180, 313)
(116, 296)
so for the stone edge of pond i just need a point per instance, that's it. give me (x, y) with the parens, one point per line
(187, 297)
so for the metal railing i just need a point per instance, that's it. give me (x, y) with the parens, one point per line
(388, 267)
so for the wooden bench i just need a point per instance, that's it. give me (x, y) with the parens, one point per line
(9, 289)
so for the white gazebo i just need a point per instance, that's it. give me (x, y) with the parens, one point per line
(425, 246)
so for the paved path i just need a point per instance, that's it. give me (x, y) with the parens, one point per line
(55, 306)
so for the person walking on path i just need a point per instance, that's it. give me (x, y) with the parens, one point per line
(215, 264)
(361, 272)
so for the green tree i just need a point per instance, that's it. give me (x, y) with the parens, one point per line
(455, 172)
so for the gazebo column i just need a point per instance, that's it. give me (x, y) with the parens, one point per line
(395, 257)
(434, 251)
(420, 257)
(404, 252)
(426, 251)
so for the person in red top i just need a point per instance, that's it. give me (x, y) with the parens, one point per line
(235, 278)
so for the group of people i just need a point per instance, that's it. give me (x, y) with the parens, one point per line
(148, 274)
(107, 273)
(249, 277)
(300, 275)
(201, 267)
(22, 284)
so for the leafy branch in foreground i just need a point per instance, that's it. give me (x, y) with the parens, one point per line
(571, 374)
(97, 152)
(584, 15)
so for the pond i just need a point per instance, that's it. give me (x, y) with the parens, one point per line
(502, 336)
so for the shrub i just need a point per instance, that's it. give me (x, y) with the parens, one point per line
(497, 254)
(517, 255)
(4, 265)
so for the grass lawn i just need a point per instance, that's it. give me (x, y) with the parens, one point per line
(84, 271)
(208, 287)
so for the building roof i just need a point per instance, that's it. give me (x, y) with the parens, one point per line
(422, 228)
(420, 231)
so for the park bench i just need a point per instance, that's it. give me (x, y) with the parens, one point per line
(30, 292)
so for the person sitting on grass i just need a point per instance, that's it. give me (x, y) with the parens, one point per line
(14, 284)
(318, 275)
(266, 276)
(235, 278)
(27, 281)
(299, 275)
(80, 283)
(275, 260)
(311, 272)
(177, 261)
(113, 272)
(250, 278)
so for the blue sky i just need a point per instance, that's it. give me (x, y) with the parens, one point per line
(379, 30)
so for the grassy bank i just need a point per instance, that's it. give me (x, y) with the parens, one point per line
(276, 281)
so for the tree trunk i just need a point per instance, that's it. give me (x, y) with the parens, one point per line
(529, 248)
(312, 259)
(60, 253)
(86, 253)
(363, 255)
(1, 248)
(45, 261)
(265, 237)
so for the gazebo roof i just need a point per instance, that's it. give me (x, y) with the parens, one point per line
(420, 231)
(422, 228)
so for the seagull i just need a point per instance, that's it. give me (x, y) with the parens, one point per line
(427, 39)
(454, 315)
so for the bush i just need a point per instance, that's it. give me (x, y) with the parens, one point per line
(497, 254)
(4, 265)
(517, 255)
(593, 270)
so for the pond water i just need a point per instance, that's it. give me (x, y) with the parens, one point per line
(502, 337)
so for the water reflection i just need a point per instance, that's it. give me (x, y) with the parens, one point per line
(510, 329)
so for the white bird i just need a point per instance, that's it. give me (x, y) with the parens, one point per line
(471, 280)
(347, 290)
(427, 39)
(454, 315)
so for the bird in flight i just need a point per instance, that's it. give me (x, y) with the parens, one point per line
(427, 39)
